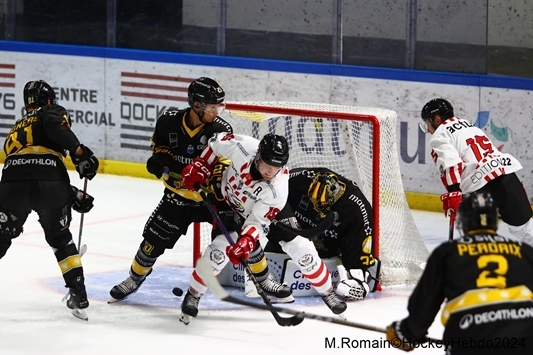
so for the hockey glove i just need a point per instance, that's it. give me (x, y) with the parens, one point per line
(196, 174)
(79, 203)
(352, 284)
(396, 339)
(86, 163)
(240, 251)
(215, 182)
(162, 157)
(450, 203)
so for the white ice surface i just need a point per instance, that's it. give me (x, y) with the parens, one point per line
(34, 321)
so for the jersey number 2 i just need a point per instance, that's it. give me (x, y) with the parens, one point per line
(495, 277)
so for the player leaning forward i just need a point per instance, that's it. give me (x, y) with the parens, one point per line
(468, 161)
(250, 192)
(179, 137)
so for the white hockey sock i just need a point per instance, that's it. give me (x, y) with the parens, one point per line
(216, 254)
(302, 251)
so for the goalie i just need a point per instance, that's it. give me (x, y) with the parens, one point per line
(314, 193)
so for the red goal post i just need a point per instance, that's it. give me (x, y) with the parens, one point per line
(356, 142)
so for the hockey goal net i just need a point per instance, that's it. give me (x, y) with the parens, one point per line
(356, 142)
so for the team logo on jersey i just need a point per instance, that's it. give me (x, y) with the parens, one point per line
(304, 203)
(235, 203)
(190, 149)
(203, 140)
(306, 260)
(217, 256)
(173, 139)
(3, 217)
(466, 321)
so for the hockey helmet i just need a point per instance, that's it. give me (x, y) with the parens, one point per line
(325, 190)
(274, 150)
(206, 91)
(477, 211)
(37, 93)
(437, 107)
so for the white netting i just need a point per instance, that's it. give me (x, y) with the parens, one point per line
(343, 138)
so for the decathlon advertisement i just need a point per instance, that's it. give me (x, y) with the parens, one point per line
(115, 96)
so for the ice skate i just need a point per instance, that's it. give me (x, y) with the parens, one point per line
(77, 299)
(189, 308)
(126, 288)
(334, 303)
(276, 291)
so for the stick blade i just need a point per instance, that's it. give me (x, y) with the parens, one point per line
(204, 269)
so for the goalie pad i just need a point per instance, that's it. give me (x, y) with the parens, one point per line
(352, 284)
(373, 275)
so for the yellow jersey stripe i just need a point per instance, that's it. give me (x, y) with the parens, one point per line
(485, 297)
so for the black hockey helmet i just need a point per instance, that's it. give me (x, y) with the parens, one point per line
(437, 107)
(274, 150)
(477, 211)
(206, 91)
(325, 190)
(37, 93)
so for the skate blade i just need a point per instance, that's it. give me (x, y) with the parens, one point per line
(114, 300)
(79, 313)
(185, 318)
(342, 316)
(274, 300)
(251, 293)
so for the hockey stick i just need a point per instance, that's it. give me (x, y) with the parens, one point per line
(284, 322)
(310, 233)
(204, 270)
(451, 227)
(81, 251)
(81, 218)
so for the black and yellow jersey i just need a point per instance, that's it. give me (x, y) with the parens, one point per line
(172, 131)
(352, 232)
(486, 282)
(37, 144)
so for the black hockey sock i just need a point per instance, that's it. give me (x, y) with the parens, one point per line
(69, 262)
(142, 264)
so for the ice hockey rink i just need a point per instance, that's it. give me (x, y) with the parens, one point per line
(34, 321)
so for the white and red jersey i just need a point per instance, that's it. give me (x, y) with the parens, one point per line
(466, 156)
(257, 201)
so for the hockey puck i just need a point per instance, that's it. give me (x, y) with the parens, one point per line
(177, 291)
